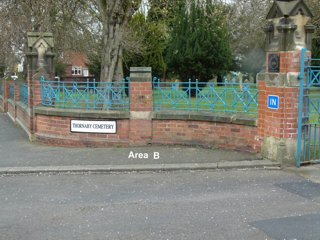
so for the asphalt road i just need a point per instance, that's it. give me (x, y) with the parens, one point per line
(248, 205)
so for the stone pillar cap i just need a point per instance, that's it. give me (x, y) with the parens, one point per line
(140, 69)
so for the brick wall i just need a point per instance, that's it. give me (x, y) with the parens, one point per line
(23, 117)
(207, 134)
(55, 130)
(17, 111)
(12, 109)
(140, 132)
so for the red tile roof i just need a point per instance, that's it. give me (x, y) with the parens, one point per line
(74, 58)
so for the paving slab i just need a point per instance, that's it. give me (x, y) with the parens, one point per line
(311, 172)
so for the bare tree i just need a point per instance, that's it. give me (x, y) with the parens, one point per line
(73, 26)
(116, 15)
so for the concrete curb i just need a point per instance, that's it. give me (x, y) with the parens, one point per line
(260, 164)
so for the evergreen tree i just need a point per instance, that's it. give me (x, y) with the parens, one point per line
(199, 46)
(164, 11)
(153, 38)
(316, 48)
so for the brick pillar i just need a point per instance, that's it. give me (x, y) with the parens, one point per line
(278, 128)
(34, 100)
(16, 97)
(140, 132)
(2, 103)
(5, 95)
(16, 92)
(13, 112)
(35, 88)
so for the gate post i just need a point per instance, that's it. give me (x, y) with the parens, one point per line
(141, 103)
(278, 123)
(287, 33)
(5, 95)
(301, 107)
(35, 92)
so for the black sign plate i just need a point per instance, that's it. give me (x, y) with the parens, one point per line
(274, 63)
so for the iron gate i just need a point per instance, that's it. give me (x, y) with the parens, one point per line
(308, 147)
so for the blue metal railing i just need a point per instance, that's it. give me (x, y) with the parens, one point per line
(205, 96)
(24, 94)
(11, 91)
(86, 95)
(308, 146)
(313, 77)
(312, 93)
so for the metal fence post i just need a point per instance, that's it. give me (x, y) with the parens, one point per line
(58, 93)
(94, 93)
(88, 94)
(301, 93)
(159, 94)
(189, 90)
(197, 89)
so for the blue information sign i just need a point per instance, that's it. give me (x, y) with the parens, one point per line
(273, 102)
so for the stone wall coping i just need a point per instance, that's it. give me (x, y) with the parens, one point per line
(141, 69)
(23, 106)
(239, 119)
(81, 113)
(282, 80)
(10, 101)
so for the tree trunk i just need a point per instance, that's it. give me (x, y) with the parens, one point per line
(111, 53)
(116, 15)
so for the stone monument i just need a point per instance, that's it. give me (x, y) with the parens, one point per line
(40, 52)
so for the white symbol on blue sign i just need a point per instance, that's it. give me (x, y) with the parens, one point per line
(273, 102)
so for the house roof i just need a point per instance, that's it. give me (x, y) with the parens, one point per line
(281, 8)
(75, 58)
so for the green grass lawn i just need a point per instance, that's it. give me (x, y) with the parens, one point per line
(89, 101)
(217, 99)
(314, 105)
